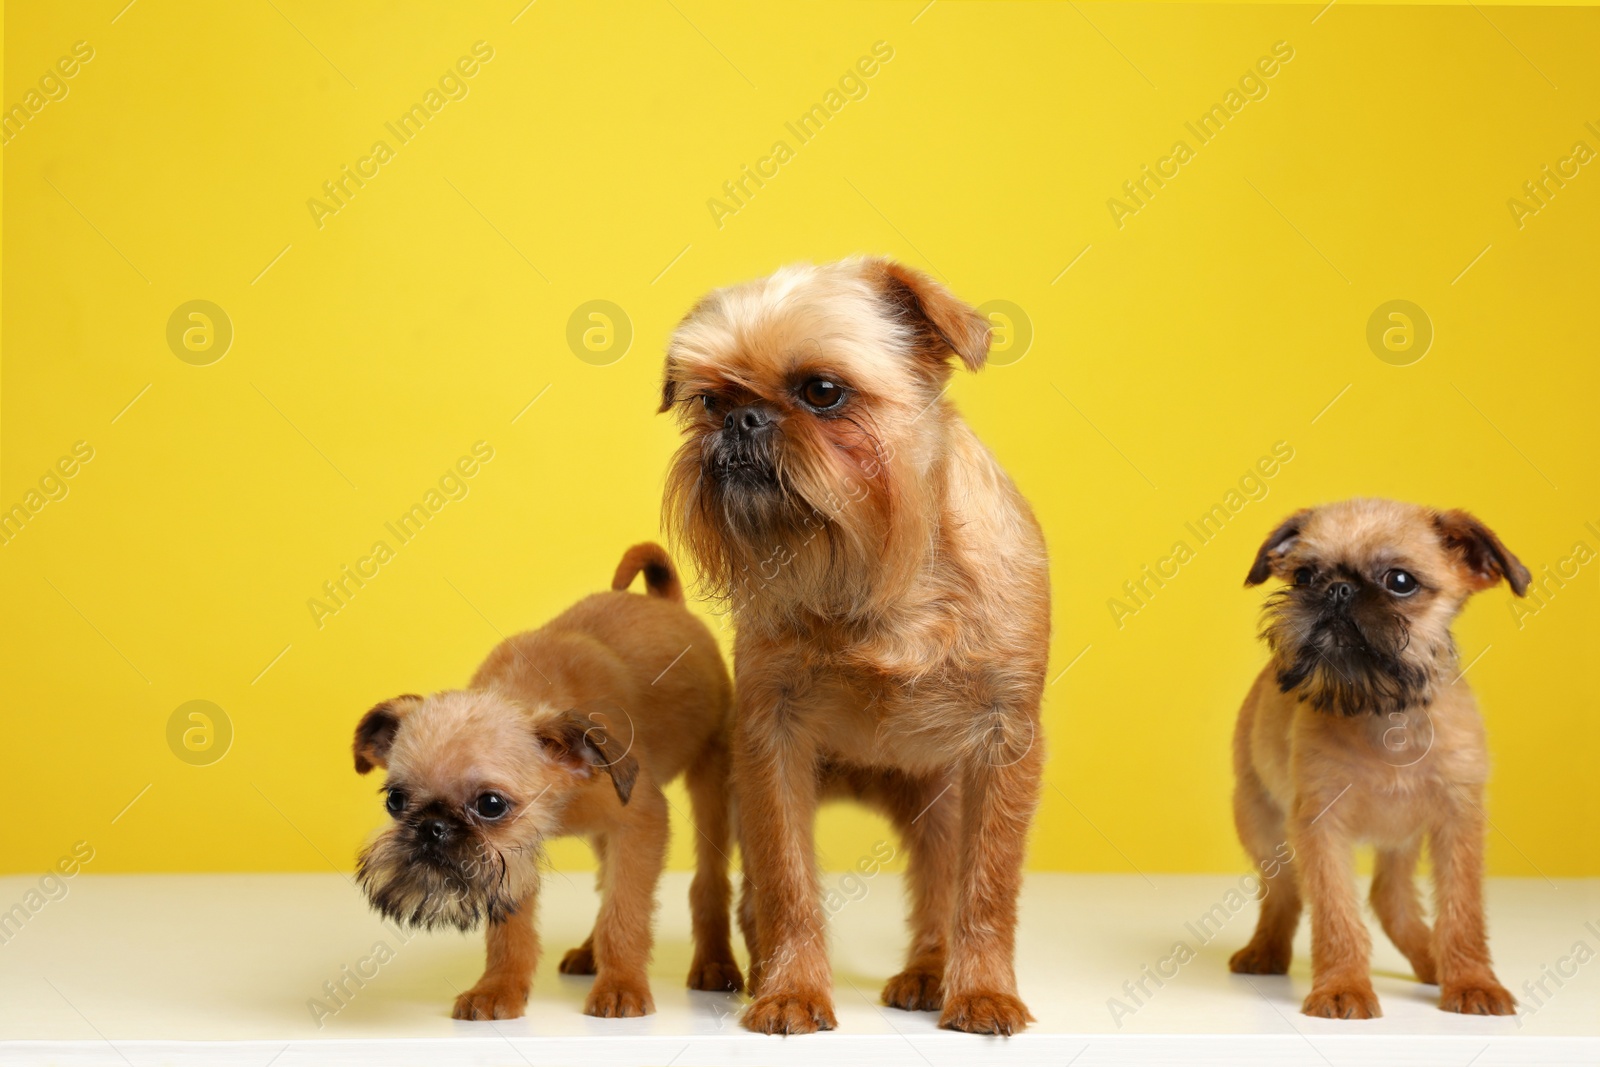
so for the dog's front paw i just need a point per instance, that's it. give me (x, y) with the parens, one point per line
(1257, 958)
(716, 976)
(790, 1013)
(916, 989)
(1483, 998)
(619, 1000)
(1342, 1002)
(492, 1000)
(578, 960)
(985, 1013)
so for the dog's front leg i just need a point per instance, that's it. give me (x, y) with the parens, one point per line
(636, 851)
(1461, 946)
(513, 953)
(775, 773)
(999, 791)
(1341, 987)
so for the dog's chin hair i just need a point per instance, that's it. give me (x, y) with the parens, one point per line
(770, 543)
(1356, 686)
(1382, 676)
(424, 896)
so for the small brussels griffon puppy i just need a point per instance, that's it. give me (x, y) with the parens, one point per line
(890, 591)
(1362, 729)
(573, 728)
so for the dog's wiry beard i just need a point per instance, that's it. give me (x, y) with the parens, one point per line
(485, 882)
(796, 526)
(745, 483)
(1346, 662)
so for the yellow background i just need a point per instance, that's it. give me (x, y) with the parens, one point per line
(1227, 315)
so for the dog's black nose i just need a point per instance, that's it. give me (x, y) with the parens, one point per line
(1341, 592)
(747, 419)
(434, 830)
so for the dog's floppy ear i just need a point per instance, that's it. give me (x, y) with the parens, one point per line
(375, 732)
(584, 740)
(941, 323)
(1483, 557)
(1277, 543)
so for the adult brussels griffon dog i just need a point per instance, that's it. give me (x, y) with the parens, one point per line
(890, 593)
(573, 728)
(1362, 729)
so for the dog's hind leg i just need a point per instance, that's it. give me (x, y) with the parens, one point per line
(1395, 901)
(711, 894)
(580, 960)
(927, 814)
(747, 927)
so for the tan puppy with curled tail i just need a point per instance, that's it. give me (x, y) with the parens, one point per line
(569, 729)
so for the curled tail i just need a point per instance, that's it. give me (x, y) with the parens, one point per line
(660, 579)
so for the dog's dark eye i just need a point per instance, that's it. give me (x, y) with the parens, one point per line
(395, 801)
(1303, 576)
(821, 393)
(708, 402)
(491, 805)
(1400, 583)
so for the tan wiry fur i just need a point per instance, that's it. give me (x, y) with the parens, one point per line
(891, 596)
(1361, 729)
(577, 726)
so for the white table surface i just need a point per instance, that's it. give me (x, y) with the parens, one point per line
(156, 969)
